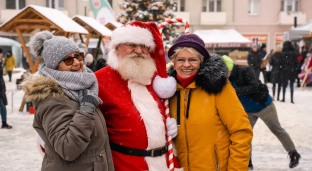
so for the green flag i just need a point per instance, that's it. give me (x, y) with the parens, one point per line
(102, 11)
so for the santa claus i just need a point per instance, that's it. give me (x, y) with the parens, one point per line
(131, 88)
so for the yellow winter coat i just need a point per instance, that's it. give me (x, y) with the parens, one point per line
(10, 63)
(215, 133)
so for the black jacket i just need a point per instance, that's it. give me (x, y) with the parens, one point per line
(276, 71)
(289, 65)
(247, 84)
(254, 60)
(101, 63)
(2, 86)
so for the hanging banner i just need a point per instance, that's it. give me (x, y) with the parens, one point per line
(102, 11)
(279, 38)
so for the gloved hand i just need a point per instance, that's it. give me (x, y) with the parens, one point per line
(172, 127)
(88, 101)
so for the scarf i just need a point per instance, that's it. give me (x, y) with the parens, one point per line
(186, 81)
(72, 82)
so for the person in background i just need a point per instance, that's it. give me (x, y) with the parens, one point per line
(10, 64)
(100, 63)
(263, 54)
(64, 94)
(254, 60)
(89, 61)
(214, 132)
(257, 102)
(276, 71)
(3, 98)
(289, 68)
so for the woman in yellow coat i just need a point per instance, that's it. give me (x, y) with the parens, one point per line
(214, 133)
(9, 64)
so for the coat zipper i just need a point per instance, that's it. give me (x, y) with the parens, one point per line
(216, 158)
(186, 138)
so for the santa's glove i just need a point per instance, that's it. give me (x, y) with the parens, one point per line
(172, 127)
(89, 102)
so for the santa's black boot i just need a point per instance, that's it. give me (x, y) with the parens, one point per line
(294, 159)
(250, 166)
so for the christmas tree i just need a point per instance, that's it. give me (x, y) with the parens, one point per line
(150, 10)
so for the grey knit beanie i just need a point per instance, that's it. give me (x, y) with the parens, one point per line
(51, 48)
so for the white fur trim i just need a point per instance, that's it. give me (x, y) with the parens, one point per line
(132, 34)
(178, 169)
(112, 59)
(165, 87)
(153, 121)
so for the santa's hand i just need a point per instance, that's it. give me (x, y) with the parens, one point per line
(172, 127)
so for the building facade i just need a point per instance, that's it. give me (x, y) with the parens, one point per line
(262, 21)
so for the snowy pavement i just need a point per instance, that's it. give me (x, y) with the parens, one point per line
(19, 151)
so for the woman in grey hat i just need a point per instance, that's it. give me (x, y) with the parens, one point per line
(214, 132)
(64, 94)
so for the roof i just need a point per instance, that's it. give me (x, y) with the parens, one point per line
(298, 32)
(92, 25)
(223, 38)
(49, 17)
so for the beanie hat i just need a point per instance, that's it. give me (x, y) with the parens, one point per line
(228, 62)
(191, 41)
(52, 49)
(89, 58)
(146, 33)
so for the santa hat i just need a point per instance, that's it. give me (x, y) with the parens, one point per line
(147, 33)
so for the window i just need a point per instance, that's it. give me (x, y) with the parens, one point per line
(15, 4)
(211, 5)
(290, 5)
(58, 4)
(180, 6)
(254, 7)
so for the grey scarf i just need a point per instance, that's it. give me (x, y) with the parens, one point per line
(72, 82)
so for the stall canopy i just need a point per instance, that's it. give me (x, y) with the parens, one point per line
(95, 28)
(223, 38)
(299, 32)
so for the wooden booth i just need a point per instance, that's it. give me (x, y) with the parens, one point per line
(34, 18)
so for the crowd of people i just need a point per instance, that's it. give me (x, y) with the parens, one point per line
(110, 114)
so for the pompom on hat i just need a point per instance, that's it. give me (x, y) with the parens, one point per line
(147, 33)
(52, 49)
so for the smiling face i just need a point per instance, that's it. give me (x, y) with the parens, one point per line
(186, 62)
(76, 66)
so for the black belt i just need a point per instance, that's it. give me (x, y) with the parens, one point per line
(138, 152)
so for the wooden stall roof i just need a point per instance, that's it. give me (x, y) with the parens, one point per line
(95, 28)
(35, 17)
(113, 25)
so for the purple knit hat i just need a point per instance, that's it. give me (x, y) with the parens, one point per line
(192, 41)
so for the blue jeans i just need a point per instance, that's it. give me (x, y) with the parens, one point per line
(3, 111)
(291, 85)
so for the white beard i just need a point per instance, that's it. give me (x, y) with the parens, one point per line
(140, 69)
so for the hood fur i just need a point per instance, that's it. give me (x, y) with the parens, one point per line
(212, 75)
(38, 88)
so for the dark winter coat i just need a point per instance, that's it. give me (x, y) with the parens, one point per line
(101, 63)
(248, 85)
(2, 86)
(254, 60)
(214, 131)
(289, 65)
(276, 64)
(74, 140)
(92, 66)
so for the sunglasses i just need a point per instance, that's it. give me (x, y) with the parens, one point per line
(69, 60)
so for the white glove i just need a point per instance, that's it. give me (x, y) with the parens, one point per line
(172, 127)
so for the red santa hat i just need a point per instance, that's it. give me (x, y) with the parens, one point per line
(147, 33)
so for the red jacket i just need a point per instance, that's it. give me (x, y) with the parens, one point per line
(129, 109)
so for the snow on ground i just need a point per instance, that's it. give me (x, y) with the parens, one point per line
(19, 151)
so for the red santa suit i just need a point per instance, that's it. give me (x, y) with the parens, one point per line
(134, 113)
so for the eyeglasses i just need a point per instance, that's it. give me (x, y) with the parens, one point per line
(69, 60)
(133, 46)
(190, 60)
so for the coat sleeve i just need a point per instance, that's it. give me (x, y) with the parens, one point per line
(250, 83)
(249, 59)
(68, 131)
(234, 117)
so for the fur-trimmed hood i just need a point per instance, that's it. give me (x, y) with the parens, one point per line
(212, 75)
(38, 88)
